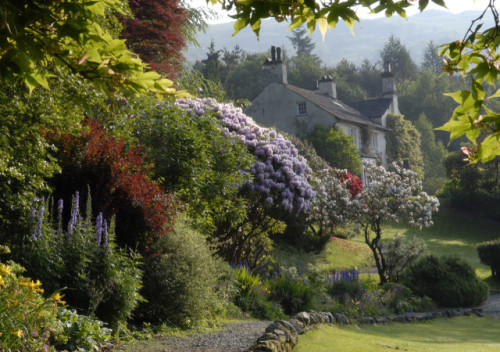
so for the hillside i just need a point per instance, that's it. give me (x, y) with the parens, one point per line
(369, 38)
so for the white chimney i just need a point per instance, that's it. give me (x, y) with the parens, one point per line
(327, 87)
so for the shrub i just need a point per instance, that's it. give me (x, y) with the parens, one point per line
(180, 280)
(80, 333)
(449, 281)
(489, 254)
(336, 147)
(118, 179)
(27, 320)
(97, 277)
(253, 295)
(293, 291)
(345, 291)
(401, 299)
(400, 254)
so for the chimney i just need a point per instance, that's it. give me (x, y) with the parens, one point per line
(388, 86)
(327, 87)
(275, 67)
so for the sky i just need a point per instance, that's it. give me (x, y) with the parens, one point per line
(454, 6)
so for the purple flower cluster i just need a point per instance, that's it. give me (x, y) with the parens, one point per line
(342, 275)
(280, 174)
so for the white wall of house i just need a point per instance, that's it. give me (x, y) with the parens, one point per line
(287, 111)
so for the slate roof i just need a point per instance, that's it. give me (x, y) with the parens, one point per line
(334, 107)
(373, 107)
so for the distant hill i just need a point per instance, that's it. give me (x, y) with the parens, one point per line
(370, 36)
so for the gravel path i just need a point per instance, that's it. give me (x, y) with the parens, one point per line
(238, 337)
(492, 306)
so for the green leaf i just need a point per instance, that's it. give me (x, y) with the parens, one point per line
(489, 148)
(297, 22)
(422, 4)
(456, 128)
(239, 25)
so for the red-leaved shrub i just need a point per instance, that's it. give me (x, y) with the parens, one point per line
(117, 177)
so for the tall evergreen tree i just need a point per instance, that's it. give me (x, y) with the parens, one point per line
(432, 61)
(401, 62)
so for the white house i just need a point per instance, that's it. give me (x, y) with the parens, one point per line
(296, 110)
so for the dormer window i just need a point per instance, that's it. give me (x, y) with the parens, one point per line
(301, 108)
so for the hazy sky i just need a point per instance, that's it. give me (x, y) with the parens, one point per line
(454, 6)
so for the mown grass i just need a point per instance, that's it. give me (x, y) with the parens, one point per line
(464, 334)
(454, 234)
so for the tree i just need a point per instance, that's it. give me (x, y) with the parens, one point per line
(313, 13)
(401, 62)
(212, 67)
(474, 56)
(477, 116)
(433, 153)
(302, 43)
(37, 36)
(305, 67)
(403, 144)
(396, 196)
(336, 148)
(432, 61)
(155, 33)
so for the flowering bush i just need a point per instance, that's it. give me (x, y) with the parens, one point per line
(335, 191)
(394, 195)
(280, 174)
(99, 278)
(119, 183)
(27, 320)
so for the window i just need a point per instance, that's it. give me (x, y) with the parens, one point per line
(350, 131)
(301, 108)
(375, 141)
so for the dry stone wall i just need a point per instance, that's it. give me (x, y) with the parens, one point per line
(282, 335)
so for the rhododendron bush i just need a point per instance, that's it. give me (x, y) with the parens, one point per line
(335, 191)
(280, 173)
(391, 195)
(279, 186)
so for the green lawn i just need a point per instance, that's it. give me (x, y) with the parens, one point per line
(454, 234)
(464, 334)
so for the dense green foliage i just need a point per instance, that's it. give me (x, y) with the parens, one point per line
(473, 187)
(403, 144)
(489, 254)
(195, 160)
(75, 35)
(181, 283)
(27, 320)
(336, 148)
(449, 281)
(433, 153)
(83, 260)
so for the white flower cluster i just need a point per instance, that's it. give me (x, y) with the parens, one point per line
(395, 195)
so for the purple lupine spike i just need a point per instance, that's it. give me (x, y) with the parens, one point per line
(105, 233)
(60, 207)
(98, 228)
(74, 213)
(38, 229)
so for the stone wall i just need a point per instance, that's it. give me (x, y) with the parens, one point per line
(282, 335)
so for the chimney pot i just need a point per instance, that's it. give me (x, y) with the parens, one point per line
(278, 50)
(273, 53)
